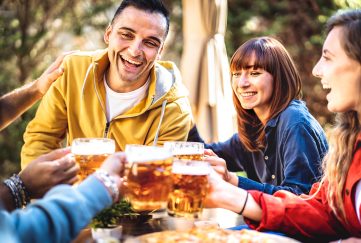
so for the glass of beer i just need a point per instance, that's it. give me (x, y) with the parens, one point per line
(90, 153)
(190, 187)
(148, 180)
(186, 150)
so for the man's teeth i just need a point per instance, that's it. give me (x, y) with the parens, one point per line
(326, 86)
(132, 62)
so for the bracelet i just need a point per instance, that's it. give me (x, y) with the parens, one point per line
(18, 191)
(109, 183)
(244, 205)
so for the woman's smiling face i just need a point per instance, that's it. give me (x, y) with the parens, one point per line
(253, 88)
(339, 74)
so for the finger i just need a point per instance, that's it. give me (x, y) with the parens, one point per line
(215, 161)
(66, 163)
(214, 176)
(115, 163)
(70, 180)
(58, 61)
(54, 75)
(60, 58)
(209, 152)
(55, 154)
(72, 171)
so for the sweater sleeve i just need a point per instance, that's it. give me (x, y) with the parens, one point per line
(296, 216)
(61, 214)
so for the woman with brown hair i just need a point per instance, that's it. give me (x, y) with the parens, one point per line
(332, 210)
(279, 144)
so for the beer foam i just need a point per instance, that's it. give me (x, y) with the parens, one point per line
(182, 148)
(93, 147)
(193, 169)
(138, 154)
(187, 150)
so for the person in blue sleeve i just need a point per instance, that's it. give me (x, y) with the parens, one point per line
(65, 210)
(279, 144)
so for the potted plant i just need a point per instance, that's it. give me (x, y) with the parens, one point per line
(106, 223)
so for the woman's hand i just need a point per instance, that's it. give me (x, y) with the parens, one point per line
(220, 166)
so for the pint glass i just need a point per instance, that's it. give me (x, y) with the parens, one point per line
(186, 150)
(148, 180)
(90, 153)
(190, 187)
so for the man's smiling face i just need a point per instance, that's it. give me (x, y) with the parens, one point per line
(135, 40)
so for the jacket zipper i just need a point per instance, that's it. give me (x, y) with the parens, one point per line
(106, 129)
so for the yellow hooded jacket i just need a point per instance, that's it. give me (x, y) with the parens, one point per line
(74, 107)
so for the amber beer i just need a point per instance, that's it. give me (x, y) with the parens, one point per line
(148, 181)
(186, 150)
(90, 153)
(190, 187)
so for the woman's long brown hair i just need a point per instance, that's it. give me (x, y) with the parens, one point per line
(273, 57)
(343, 136)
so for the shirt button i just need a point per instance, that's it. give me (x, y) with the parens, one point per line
(347, 192)
(266, 157)
(273, 177)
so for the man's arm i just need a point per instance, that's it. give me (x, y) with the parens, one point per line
(13, 104)
(48, 128)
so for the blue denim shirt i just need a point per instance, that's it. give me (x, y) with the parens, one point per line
(291, 160)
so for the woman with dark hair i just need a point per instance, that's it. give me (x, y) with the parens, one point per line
(279, 143)
(332, 209)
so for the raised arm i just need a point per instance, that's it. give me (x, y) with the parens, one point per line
(15, 103)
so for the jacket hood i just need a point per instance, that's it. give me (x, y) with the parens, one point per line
(165, 82)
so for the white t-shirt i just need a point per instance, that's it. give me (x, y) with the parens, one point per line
(118, 103)
(358, 200)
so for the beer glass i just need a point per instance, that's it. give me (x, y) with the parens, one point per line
(148, 180)
(186, 150)
(90, 153)
(190, 187)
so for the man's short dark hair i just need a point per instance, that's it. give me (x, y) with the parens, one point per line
(152, 6)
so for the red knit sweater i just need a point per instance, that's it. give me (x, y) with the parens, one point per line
(290, 214)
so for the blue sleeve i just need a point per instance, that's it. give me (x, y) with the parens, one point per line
(61, 214)
(302, 149)
(248, 184)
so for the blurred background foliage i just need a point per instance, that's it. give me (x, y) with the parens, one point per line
(34, 32)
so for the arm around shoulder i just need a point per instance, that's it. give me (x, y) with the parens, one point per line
(48, 128)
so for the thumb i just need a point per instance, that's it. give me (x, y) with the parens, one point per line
(56, 154)
(209, 152)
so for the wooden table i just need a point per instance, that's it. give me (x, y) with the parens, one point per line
(160, 221)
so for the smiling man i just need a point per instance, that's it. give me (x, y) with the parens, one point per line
(123, 92)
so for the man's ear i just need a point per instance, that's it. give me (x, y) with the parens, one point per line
(108, 30)
(159, 56)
